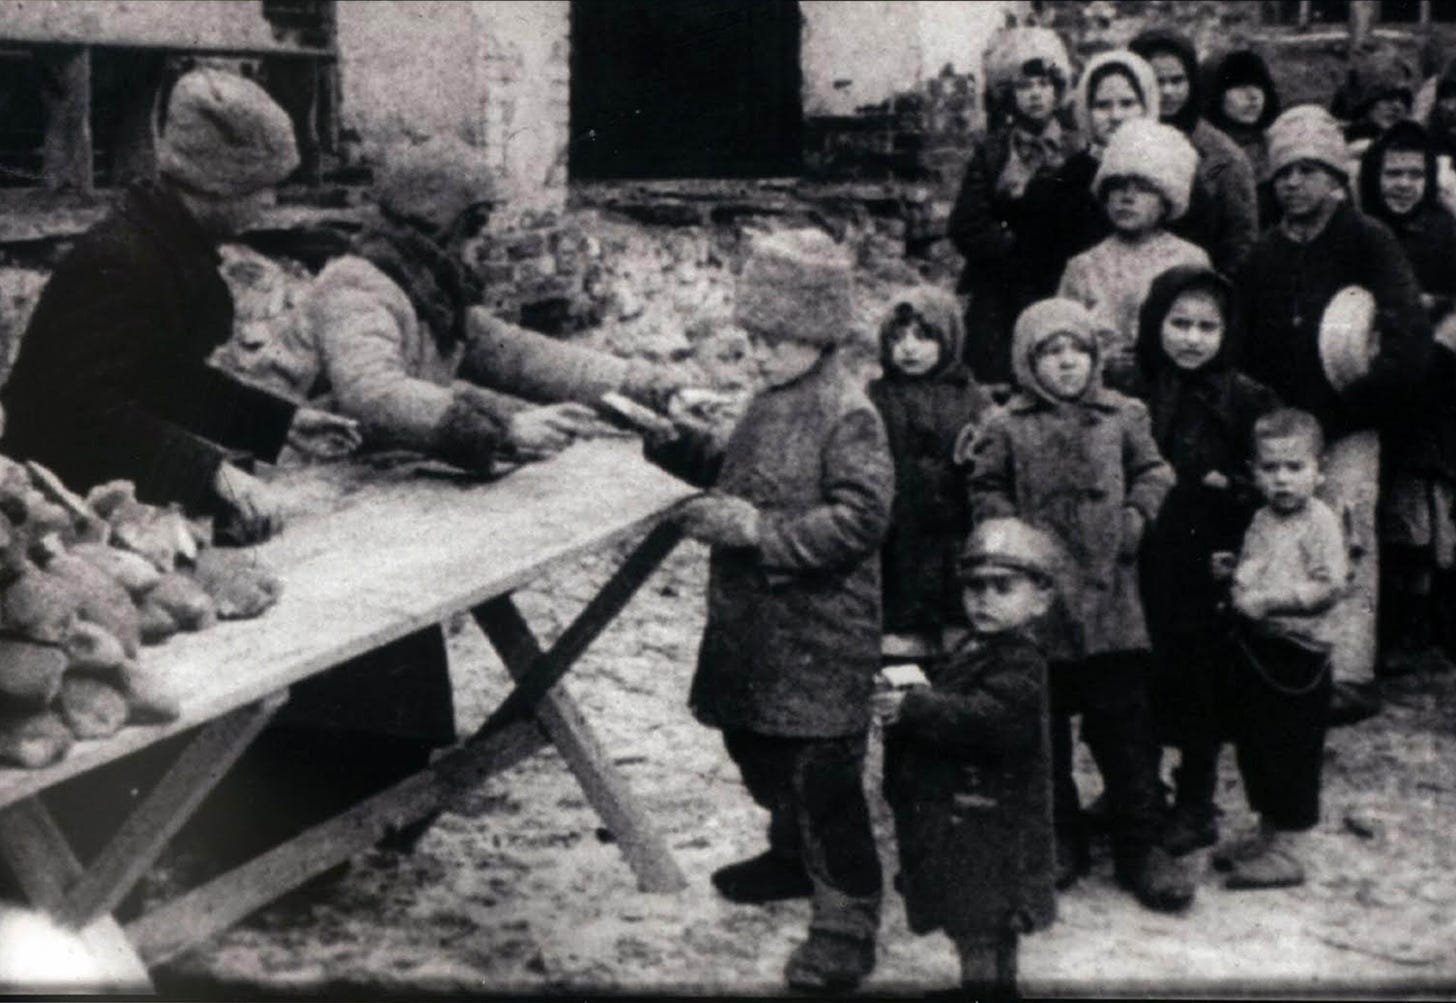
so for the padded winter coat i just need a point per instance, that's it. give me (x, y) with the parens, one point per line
(792, 641)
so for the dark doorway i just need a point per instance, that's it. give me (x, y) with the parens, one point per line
(685, 88)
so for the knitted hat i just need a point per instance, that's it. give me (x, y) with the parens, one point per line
(434, 182)
(1014, 545)
(1011, 49)
(225, 135)
(1307, 132)
(1156, 153)
(1133, 65)
(1037, 324)
(796, 285)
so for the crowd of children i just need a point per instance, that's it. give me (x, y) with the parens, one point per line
(1124, 489)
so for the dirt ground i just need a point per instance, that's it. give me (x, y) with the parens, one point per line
(518, 889)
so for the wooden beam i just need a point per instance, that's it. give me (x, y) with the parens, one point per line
(1363, 14)
(67, 150)
(146, 832)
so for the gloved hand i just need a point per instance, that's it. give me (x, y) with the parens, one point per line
(720, 520)
(652, 384)
(469, 437)
(1133, 525)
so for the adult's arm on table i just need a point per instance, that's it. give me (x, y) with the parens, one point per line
(504, 357)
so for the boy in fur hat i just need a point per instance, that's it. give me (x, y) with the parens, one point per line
(926, 398)
(968, 764)
(1078, 460)
(798, 506)
(1144, 182)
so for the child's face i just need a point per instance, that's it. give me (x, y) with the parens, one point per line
(1402, 180)
(1063, 366)
(1173, 85)
(782, 361)
(1287, 472)
(1193, 329)
(1133, 206)
(999, 599)
(1036, 97)
(1303, 188)
(913, 351)
(1244, 104)
(1113, 103)
(1387, 111)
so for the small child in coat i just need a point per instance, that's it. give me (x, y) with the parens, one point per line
(968, 765)
(1291, 569)
(1203, 415)
(926, 397)
(798, 508)
(1071, 457)
(1144, 183)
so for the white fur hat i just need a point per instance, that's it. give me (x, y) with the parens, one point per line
(1012, 48)
(1307, 132)
(1157, 153)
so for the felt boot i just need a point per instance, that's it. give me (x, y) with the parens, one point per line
(840, 949)
(768, 877)
(1278, 866)
(1158, 881)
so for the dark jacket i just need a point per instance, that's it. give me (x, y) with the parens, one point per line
(1283, 290)
(1013, 248)
(112, 379)
(1202, 422)
(968, 775)
(792, 640)
(1222, 215)
(1239, 68)
(923, 415)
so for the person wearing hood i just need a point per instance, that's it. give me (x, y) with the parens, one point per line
(1078, 460)
(1004, 219)
(1223, 212)
(1398, 187)
(1243, 102)
(926, 397)
(1323, 244)
(1203, 415)
(1378, 91)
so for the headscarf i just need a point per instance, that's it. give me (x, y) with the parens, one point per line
(1130, 65)
(1165, 41)
(1038, 324)
(1407, 136)
(1165, 289)
(940, 316)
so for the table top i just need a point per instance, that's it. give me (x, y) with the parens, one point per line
(389, 559)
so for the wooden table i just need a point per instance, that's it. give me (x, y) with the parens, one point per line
(394, 558)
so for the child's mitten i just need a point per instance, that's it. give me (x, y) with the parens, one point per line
(185, 601)
(90, 707)
(102, 599)
(132, 572)
(241, 587)
(94, 650)
(149, 699)
(720, 520)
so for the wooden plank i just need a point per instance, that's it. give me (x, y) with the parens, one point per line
(393, 559)
(172, 928)
(67, 149)
(233, 26)
(605, 788)
(43, 864)
(142, 837)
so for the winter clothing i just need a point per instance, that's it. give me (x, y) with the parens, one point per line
(1307, 132)
(1154, 153)
(432, 184)
(1428, 232)
(1373, 76)
(1131, 65)
(1012, 242)
(1112, 279)
(1008, 54)
(112, 378)
(720, 521)
(1223, 215)
(224, 135)
(1282, 292)
(1240, 68)
(1295, 558)
(793, 634)
(967, 772)
(922, 416)
(796, 285)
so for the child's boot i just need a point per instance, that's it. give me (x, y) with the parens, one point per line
(1193, 822)
(1277, 867)
(840, 949)
(1244, 846)
(1158, 881)
(769, 877)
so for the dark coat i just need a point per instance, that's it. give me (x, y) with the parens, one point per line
(930, 520)
(792, 640)
(112, 379)
(1282, 293)
(1013, 248)
(1238, 68)
(968, 774)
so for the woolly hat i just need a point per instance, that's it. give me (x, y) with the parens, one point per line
(431, 184)
(938, 310)
(1041, 321)
(796, 285)
(1011, 49)
(1099, 66)
(1012, 544)
(1307, 132)
(1158, 154)
(225, 136)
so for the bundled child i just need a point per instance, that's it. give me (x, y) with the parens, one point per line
(1076, 459)
(926, 397)
(1398, 187)
(1242, 103)
(1289, 572)
(798, 508)
(1004, 221)
(1144, 183)
(968, 764)
(1203, 414)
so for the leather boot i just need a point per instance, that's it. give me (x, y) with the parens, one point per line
(768, 877)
